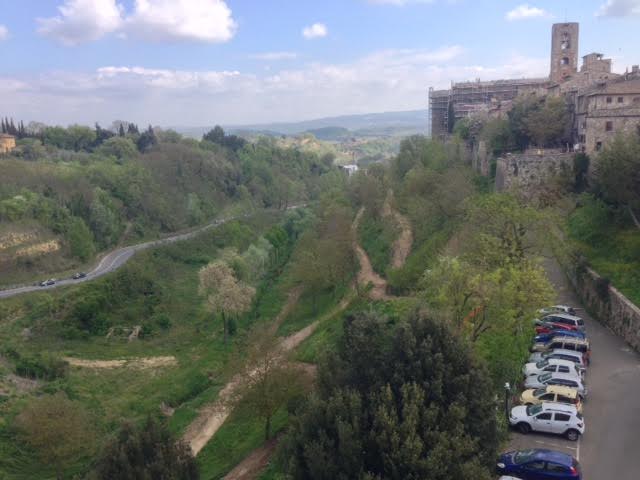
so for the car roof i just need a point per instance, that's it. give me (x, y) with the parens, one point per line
(562, 390)
(564, 351)
(558, 361)
(558, 407)
(569, 338)
(565, 376)
(553, 455)
(563, 315)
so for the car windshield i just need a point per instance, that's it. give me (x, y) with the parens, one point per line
(534, 409)
(542, 363)
(523, 456)
(539, 391)
(544, 377)
(579, 415)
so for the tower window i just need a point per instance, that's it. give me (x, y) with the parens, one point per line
(608, 126)
(564, 61)
(565, 45)
(609, 99)
(620, 99)
(598, 146)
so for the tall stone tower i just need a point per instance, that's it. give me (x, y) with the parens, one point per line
(564, 51)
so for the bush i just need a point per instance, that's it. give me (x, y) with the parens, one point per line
(42, 367)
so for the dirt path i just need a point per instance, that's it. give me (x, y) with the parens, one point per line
(252, 466)
(212, 416)
(142, 362)
(402, 246)
(366, 274)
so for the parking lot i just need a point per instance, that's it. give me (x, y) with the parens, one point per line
(610, 447)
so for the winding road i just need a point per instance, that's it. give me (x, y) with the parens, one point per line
(117, 258)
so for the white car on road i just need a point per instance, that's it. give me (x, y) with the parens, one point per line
(553, 365)
(555, 418)
(572, 380)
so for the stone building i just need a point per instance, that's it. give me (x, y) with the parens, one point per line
(7, 143)
(601, 103)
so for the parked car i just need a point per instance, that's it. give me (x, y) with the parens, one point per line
(542, 326)
(48, 283)
(565, 319)
(539, 464)
(566, 343)
(79, 275)
(545, 337)
(552, 393)
(553, 365)
(571, 355)
(548, 417)
(558, 309)
(565, 379)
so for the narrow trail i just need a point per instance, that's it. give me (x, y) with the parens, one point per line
(366, 274)
(212, 416)
(141, 362)
(252, 466)
(402, 246)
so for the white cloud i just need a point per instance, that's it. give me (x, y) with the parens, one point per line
(385, 80)
(523, 12)
(4, 33)
(317, 30)
(82, 21)
(198, 20)
(620, 8)
(274, 56)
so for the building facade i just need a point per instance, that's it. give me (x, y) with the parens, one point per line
(7, 143)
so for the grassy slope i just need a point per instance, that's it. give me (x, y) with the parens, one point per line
(128, 393)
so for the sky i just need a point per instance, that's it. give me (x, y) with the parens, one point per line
(232, 62)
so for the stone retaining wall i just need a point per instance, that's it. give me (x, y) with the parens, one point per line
(527, 171)
(607, 304)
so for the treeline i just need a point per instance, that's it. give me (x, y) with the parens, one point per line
(95, 188)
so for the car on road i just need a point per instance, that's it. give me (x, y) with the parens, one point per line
(565, 379)
(542, 326)
(79, 275)
(539, 464)
(571, 321)
(575, 357)
(565, 343)
(558, 309)
(48, 283)
(548, 417)
(545, 337)
(553, 365)
(552, 393)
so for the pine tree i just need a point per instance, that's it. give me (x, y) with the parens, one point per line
(121, 131)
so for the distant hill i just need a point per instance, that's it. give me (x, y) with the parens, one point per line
(370, 124)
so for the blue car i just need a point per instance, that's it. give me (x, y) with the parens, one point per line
(539, 464)
(547, 337)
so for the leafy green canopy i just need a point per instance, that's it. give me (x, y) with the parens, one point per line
(409, 403)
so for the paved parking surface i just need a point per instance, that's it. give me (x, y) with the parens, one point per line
(610, 447)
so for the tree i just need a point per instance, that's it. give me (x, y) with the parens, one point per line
(145, 453)
(58, 429)
(120, 147)
(403, 403)
(547, 125)
(617, 172)
(80, 239)
(216, 135)
(224, 293)
(269, 380)
(146, 140)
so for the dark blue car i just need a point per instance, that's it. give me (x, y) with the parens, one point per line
(539, 464)
(547, 337)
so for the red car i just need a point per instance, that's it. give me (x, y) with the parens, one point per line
(548, 327)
